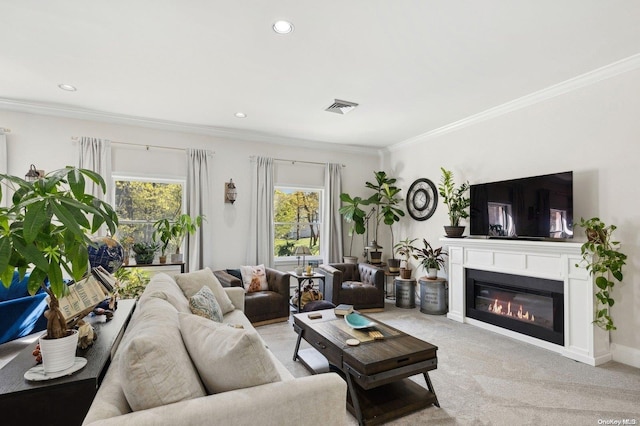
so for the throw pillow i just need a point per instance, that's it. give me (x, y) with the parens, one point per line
(204, 304)
(254, 278)
(235, 273)
(226, 358)
(154, 366)
(192, 282)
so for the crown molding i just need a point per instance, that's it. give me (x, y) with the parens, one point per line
(219, 132)
(592, 77)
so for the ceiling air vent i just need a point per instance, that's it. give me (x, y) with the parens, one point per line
(341, 107)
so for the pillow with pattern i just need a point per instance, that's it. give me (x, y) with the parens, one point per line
(254, 278)
(204, 304)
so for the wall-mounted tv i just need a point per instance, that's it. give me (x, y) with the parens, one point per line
(537, 207)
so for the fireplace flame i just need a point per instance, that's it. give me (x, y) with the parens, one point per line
(497, 308)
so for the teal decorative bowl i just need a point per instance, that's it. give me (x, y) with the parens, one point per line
(355, 320)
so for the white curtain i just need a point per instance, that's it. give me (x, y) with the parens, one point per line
(3, 165)
(260, 249)
(332, 220)
(95, 155)
(199, 246)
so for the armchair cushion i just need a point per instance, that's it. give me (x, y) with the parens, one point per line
(254, 278)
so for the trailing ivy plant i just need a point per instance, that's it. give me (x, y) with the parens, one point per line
(603, 260)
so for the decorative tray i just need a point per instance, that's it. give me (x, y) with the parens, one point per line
(355, 320)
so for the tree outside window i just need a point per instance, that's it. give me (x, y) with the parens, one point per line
(296, 220)
(141, 202)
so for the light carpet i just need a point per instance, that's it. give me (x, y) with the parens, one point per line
(484, 378)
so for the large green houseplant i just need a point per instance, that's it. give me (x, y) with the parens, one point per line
(456, 201)
(175, 232)
(603, 260)
(355, 217)
(47, 229)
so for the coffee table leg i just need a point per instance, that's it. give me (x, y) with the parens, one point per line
(298, 330)
(354, 398)
(430, 386)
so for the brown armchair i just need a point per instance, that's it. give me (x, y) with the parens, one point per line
(267, 306)
(360, 285)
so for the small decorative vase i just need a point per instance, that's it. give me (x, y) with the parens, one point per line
(162, 259)
(176, 258)
(432, 273)
(350, 259)
(405, 273)
(59, 354)
(394, 265)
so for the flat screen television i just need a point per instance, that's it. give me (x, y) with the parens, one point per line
(537, 207)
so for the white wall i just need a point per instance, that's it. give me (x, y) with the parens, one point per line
(46, 142)
(594, 131)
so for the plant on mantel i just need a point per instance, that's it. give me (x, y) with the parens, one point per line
(456, 201)
(603, 260)
(46, 230)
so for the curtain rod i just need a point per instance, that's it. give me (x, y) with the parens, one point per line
(284, 160)
(5, 130)
(147, 146)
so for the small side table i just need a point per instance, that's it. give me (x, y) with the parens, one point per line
(302, 278)
(433, 296)
(405, 292)
(387, 274)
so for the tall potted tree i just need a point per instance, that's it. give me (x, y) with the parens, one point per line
(46, 229)
(456, 201)
(386, 200)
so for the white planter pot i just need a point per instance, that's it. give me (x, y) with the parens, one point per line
(58, 354)
(432, 273)
(176, 257)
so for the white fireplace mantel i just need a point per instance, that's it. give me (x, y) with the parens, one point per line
(583, 341)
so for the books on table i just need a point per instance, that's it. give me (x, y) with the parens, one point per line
(343, 309)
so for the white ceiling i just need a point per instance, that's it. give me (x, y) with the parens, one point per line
(414, 66)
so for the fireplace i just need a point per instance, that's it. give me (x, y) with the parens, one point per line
(524, 304)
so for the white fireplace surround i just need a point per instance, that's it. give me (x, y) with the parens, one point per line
(583, 341)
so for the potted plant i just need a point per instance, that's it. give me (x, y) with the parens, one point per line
(432, 259)
(603, 260)
(126, 243)
(145, 252)
(45, 229)
(163, 233)
(182, 226)
(456, 200)
(405, 248)
(386, 200)
(355, 217)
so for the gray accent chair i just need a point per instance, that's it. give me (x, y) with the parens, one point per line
(357, 284)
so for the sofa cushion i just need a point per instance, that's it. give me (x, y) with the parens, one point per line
(155, 368)
(227, 358)
(192, 282)
(204, 304)
(164, 287)
(254, 278)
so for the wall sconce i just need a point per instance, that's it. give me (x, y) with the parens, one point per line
(33, 174)
(230, 192)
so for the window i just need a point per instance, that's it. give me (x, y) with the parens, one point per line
(501, 220)
(139, 202)
(296, 220)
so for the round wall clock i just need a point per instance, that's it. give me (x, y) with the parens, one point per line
(422, 199)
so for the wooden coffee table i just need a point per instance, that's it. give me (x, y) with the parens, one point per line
(377, 371)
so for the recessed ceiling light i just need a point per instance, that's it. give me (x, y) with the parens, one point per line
(240, 115)
(67, 87)
(283, 27)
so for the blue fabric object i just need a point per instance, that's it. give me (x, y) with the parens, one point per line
(20, 313)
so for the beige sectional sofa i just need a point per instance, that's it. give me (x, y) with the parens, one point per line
(176, 368)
